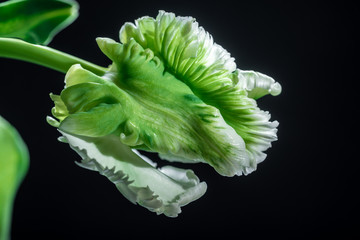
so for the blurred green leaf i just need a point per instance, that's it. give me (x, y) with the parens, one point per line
(36, 21)
(14, 162)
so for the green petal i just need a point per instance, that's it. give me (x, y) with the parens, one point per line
(84, 96)
(251, 123)
(98, 121)
(154, 111)
(59, 111)
(173, 121)
(163, 191)
(190, 53)
(76, 75)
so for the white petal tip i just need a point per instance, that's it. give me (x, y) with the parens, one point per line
(275, 89)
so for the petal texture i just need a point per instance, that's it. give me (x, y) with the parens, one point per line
(163, 191)
(190, 53)
(149, 109)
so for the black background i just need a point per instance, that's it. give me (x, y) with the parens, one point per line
(306, 187)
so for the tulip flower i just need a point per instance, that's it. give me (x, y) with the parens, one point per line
(171, 90)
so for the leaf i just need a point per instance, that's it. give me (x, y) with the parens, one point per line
(14, 161)
(163, 191)
(36, 21)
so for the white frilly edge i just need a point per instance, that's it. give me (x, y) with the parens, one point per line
(122, 173)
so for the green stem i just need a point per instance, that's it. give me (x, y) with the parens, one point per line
(44, 56)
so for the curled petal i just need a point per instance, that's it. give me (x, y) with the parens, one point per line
(163, 191)
(257, 84)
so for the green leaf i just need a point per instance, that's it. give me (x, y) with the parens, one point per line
(14, 161)
(36, 21)
(162, 190)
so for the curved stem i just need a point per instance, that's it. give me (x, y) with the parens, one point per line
(44, 56)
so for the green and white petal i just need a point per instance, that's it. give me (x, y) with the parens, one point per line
(257, 84)
(190, 53)
(253, 125)
(248, 120)
(150, 109)
(163, 191)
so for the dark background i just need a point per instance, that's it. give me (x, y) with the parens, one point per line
(306, 187)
